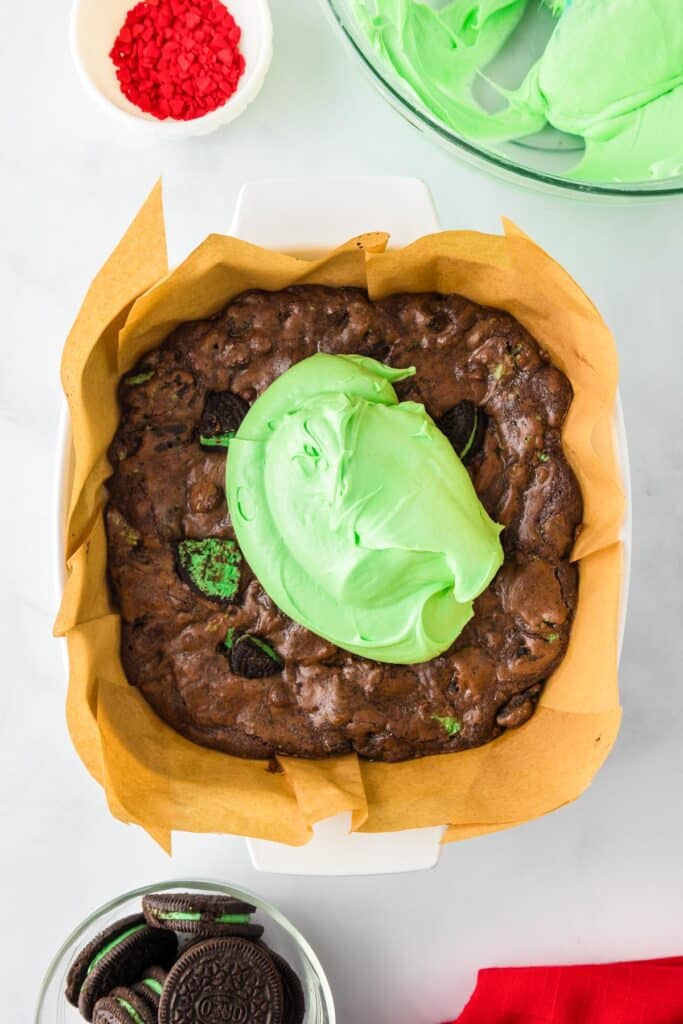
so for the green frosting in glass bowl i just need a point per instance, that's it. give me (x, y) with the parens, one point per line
(611, 73)
(355, 513)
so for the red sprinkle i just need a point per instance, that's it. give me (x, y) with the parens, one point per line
(178, 58)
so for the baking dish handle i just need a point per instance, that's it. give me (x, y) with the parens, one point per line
(311, 215)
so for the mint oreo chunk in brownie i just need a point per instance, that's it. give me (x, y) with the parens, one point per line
(210, 565)
(217, 658)
(222, 415)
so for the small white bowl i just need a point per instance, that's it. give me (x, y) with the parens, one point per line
(94, 27)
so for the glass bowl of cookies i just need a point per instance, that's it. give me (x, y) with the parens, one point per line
(186, 950)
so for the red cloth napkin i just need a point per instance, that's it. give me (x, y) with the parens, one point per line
(639, 992)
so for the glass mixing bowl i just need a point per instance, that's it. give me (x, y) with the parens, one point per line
(542, 160)
(280, 934)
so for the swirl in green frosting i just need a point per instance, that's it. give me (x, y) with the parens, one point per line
(355, 513)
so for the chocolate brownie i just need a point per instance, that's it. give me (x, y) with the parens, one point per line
(223, 665)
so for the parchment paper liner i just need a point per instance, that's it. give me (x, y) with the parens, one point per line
(155, 778)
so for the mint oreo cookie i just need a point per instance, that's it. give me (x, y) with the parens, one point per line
(223, 980)
(292, 989)
(222, 415)
(86, 958)
(201, 914)
(123, 1006)
(151, 985)
(118, 957)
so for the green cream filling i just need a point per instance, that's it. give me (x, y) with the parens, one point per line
(178, 915)
(184, 915)
(130, 1010)
(112, 945)
(153, 985)
(217, 440)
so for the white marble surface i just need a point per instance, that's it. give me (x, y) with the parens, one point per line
(599, 879)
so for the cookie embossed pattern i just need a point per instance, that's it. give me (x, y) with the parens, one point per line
(188, 957)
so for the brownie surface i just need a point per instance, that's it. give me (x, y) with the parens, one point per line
(322, 700)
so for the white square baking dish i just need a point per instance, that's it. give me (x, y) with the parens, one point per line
(308, 216)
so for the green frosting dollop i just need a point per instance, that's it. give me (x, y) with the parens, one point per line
(612, 73)
(355, 513)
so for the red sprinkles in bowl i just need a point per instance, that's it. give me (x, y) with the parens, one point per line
(178, 58)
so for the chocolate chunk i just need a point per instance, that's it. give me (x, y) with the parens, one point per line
(518, 709)
(210, 566)
(223, 980)
(376, 348)
(222, 415)
(170, 435)
(464, 425)
(252, 657)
